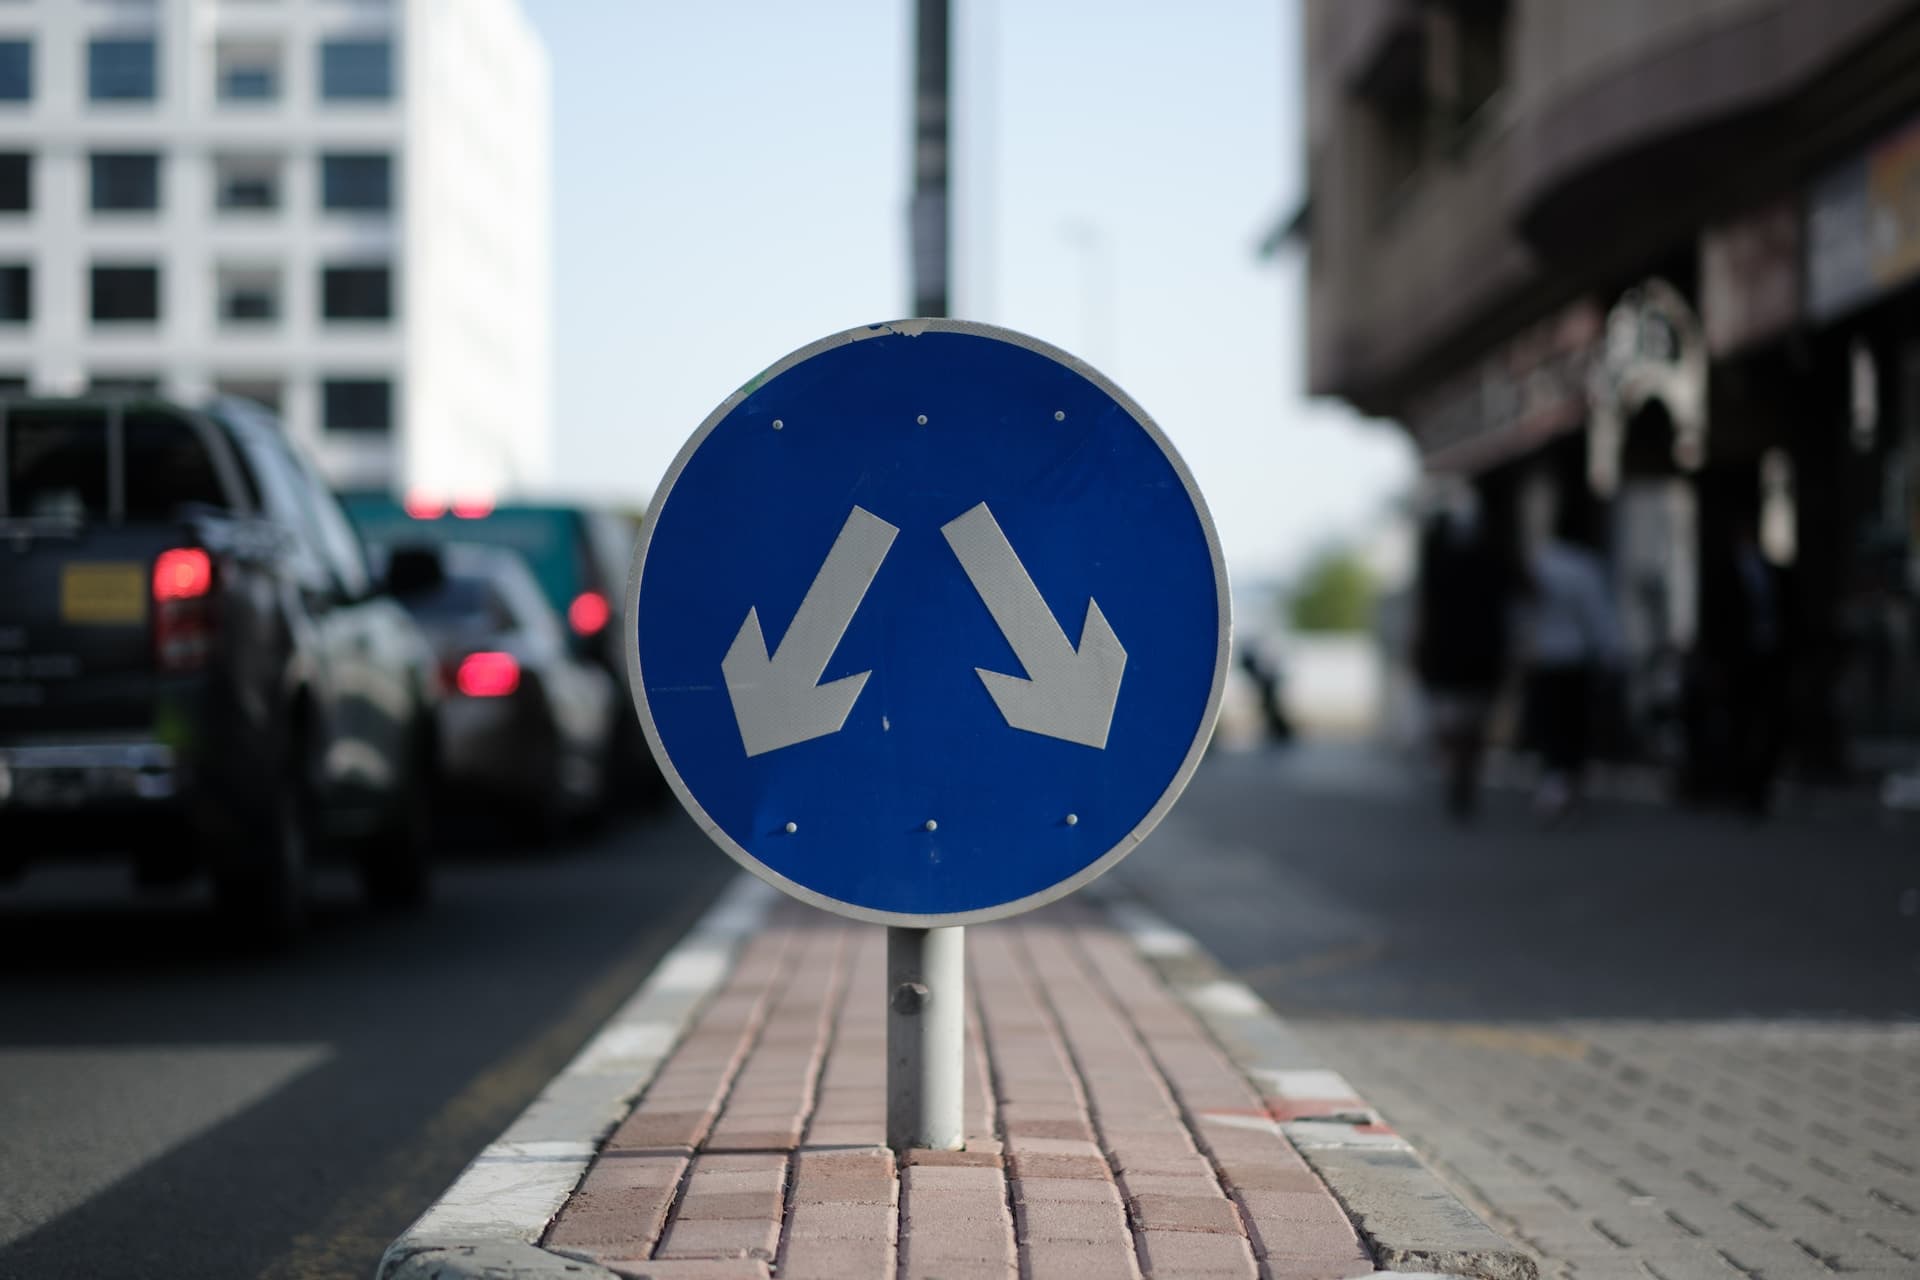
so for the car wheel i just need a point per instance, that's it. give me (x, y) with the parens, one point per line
(262, 888)
(396, 870)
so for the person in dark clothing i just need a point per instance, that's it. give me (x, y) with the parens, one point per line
(1460, 642)
(1743, 657)
(1266, 680)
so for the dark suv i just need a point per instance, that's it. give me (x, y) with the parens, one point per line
(190, 639)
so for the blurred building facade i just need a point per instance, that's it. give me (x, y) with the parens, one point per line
(336, 207)
(1659, 258)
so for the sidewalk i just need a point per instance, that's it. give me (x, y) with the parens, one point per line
(1108, 1132)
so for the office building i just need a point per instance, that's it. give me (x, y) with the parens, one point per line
(336, 207)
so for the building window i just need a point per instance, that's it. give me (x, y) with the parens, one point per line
(16, 70)
(137, 385)
(121, 70)
(1468, 67)
(356, 293)
(125, 181)
(356, 70)
(248, 295)
(356, 404)
(247, 71)
(126, 294)
(265, 392)
(357, 182)
(16, 293)
(246, 182)
(16, 182)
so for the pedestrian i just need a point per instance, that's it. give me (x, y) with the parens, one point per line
(1573, 650)
(1466, 586)
(1265, 676)
(1743, 646)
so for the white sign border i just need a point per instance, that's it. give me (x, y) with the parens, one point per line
(1127, 843)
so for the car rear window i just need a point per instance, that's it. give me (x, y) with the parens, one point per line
(461, 602)
(58, 464)
(547, 538)
(168, 467)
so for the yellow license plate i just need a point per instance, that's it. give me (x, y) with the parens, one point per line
(103, 594)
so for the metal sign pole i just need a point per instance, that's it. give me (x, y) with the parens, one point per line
(926, 968)
(926, 1038)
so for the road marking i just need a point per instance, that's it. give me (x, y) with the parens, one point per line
(76, 1121)
(1069, 694)
(779, 701)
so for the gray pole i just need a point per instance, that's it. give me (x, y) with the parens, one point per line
(926, 1038)
(931, 150)
(926, 968)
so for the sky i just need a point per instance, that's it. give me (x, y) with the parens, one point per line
(732, 179)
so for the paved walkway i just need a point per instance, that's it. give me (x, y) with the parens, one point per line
(1108, 1136)
(1646, 1046)
(1654, 1151)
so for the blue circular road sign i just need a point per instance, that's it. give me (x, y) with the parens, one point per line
(929, 624)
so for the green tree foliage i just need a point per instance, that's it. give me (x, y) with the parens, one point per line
(1335, 594)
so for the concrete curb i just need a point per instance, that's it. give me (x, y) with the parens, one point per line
(1406, 1216)
(489, 1222)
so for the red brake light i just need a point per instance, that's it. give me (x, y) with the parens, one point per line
(588, 613)
(473, 508)
(488, 675)
(182, 613)
(184, 573)
(423, 506)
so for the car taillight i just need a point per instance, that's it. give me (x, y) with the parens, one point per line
(422, 506)
(487, 675)
(182, 617)
(588, 613)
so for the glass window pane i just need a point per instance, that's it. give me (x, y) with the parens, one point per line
(16, 293)
(357, 404)
(357, 181)
(357, 293)
(16, 182)
(246, 182)
(264, 392)
(126, 293)
(125, 181)
(167, 465)
(120, 70)
(57, 463)
(356, 70)
(16, 70)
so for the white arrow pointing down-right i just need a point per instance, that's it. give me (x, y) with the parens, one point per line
(1068, 695)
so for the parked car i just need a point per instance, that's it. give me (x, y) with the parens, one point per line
(528, 722)
(196, 667)
(580, 557)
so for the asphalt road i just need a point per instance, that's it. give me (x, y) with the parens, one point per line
(1644, 1044)
(172, 1107)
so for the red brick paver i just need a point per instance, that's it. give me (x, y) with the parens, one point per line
(1107, 1135)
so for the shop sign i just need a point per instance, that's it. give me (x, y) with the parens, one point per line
(1863, 225)
(1530, 389)
(1750, 277)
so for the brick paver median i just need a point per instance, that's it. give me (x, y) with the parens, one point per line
(758, 1147)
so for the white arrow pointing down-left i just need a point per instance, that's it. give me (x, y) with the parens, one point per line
(779, 701)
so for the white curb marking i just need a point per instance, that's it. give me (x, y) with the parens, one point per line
(1231, 999)
(513, 1189)
(1305, 1086)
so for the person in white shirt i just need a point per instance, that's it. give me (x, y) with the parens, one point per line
(1570, 637)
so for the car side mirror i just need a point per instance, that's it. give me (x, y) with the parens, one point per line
(414, 571)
